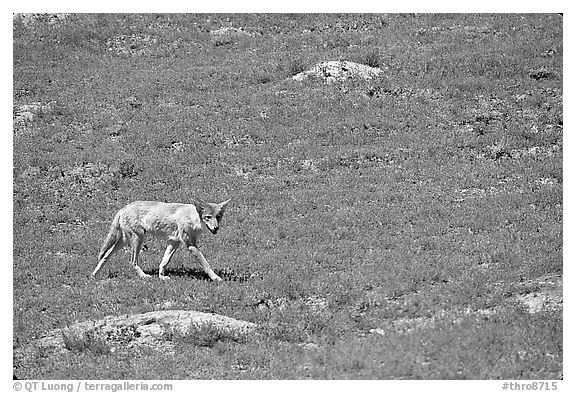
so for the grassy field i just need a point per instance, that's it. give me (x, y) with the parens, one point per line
(378, 229)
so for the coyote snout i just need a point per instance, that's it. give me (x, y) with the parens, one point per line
(177, 223)
(212, 223)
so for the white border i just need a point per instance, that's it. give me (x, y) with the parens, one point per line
(304, 6)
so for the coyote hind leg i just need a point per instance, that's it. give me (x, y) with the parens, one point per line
(107, 255)
(136, 241)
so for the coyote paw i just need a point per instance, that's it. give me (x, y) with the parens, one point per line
(164, 278)
(141, 272)
(217, 279)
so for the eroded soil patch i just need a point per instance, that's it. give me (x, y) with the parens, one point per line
(156, 330)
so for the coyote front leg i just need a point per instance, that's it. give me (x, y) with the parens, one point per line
(172, 247)
(196, 252)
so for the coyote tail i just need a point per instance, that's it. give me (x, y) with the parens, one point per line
(114, 236)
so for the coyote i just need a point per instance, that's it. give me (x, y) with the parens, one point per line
(176, 223)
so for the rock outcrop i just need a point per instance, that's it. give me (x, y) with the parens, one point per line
(339, 71)
(152, 330)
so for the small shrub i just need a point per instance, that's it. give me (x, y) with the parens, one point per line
(541, 73)
(335, 41)
(263, 78)
(204, 335)
(127, 169)
(286, 332)
(124, 334)
(86, 341)
(224, 40)
(296, 66)
(371, 59)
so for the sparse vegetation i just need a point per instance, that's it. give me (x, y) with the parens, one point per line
(371, 58)
(387, 228)
(87, 341)
(296, 66)
(203, 335)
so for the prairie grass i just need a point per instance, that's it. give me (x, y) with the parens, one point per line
(377, 229)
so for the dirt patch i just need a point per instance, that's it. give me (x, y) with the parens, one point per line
(313, 304)
(498, 151)
(132, 45)
(232, 140)
(91, 173)
(508, 185)
(537, 295)
(264, 169)
(228, 35)
(27, 113)
(410, 324)
(29, 19)
(546, 297)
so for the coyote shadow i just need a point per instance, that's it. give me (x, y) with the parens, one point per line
(199, 274)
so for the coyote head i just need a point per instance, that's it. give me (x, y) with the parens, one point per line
(211, 215)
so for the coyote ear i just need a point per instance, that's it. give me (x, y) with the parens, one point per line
(199, 208)
(223, 205)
